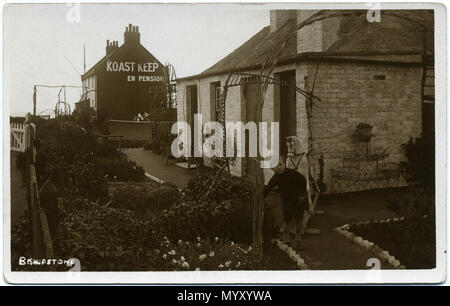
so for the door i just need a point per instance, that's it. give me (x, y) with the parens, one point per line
(191, 109)
(250, 94)
(288, 109)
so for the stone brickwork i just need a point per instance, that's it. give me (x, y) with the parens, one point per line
(387, 97)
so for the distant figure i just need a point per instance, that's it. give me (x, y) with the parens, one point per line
(292, 185)
(139, 117)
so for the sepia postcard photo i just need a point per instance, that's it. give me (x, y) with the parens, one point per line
(279, 143)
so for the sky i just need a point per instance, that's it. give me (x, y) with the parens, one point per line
(43, 43)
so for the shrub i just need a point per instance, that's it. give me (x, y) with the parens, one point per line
(147, 146)
(84, 118)
(420, 161)
(73, 172)
(145, 200)
(218, 188)
(417, 205)
(222, 209)
(120, 169)
(103, 121)
(130, 143)
(20, 243)
(418, 201)
(21, 161)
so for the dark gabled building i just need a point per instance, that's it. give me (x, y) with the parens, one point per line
(128, 80)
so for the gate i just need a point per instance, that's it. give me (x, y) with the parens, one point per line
(18, 134)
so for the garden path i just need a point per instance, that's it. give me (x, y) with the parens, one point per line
(330, 250)
(155, 165)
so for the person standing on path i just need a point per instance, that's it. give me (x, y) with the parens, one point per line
(292, 186)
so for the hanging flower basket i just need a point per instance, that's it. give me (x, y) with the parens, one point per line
(364, 132)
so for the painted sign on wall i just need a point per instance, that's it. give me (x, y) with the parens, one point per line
(128, 66)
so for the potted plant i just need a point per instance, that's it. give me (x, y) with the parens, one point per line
(364, 132)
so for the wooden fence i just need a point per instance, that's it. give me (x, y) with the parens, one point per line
(41, 240)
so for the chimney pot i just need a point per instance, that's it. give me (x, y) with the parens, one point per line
(131, 34)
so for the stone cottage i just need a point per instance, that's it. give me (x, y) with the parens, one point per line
(365, 74)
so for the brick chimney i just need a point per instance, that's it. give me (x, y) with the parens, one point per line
(279, 17)
(318, 36)
(132, 34)
(111, 46)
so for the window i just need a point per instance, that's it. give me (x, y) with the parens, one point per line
(215, 95)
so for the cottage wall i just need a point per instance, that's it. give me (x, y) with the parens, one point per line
(350, 93)
(354, 93)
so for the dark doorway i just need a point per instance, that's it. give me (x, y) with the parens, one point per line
(191, 110)
(428, 121)
(250, 94)
(288, 109)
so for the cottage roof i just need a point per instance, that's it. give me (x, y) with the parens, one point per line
(399, 32)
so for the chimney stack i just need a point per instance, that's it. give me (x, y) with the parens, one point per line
(132, 34)
(111, 46)
(317, 36)
(279, 17)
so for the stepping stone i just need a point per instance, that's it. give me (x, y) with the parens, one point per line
(312, 231)
(185, 165)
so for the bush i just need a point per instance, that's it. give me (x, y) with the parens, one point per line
(73, 172)
(147, 146)
(21, 161)
(222, 209)
(418, 201)
(417, 205)
(120, 169)
(130, 143)
(145, 200)
(420, 163)
(218, 188)
(84, 119)
(20, 243)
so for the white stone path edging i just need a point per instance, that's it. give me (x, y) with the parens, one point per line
(291, 253)
(153, 178)
(370, 246)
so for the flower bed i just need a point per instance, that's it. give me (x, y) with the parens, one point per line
(393, 241)
(114, 239)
